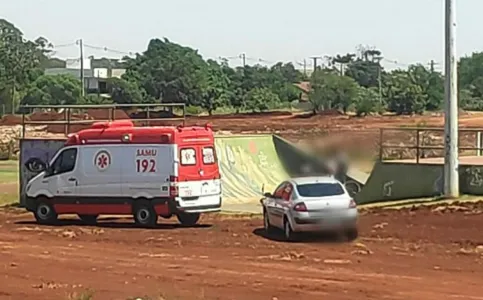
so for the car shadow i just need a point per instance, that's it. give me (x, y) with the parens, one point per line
(278, 236)
(112, 223)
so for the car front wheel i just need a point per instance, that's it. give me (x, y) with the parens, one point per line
(266, 223)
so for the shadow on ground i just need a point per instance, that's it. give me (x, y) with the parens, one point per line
(278, 236)
(112, 223)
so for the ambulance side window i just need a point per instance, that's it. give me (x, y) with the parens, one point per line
(209, 156)
(65, 162)
(188, 156)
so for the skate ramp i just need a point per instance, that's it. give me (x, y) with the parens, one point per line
(395, 181)
(401, 180)
(246, 164)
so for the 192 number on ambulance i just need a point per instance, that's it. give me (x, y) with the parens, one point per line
(145, 165)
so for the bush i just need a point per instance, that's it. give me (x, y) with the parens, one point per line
(193, 110)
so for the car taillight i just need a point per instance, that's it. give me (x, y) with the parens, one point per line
(352, 204)
(300, 207)
(173, 186)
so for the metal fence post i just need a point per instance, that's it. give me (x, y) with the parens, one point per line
(478, 143)
(417, 145)
(381, 133)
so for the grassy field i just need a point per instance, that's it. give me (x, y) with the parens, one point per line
(8, 182)
(8, 171)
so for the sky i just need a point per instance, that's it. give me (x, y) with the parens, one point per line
(406, 31)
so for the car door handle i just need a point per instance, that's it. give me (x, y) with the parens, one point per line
(72, 179)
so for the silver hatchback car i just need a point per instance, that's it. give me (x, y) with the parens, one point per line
(310, 204)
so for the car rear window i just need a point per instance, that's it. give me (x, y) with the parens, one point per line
(320, 189)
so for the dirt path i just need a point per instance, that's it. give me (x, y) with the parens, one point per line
(421, 254)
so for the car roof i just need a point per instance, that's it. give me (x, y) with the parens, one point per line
(313, 179)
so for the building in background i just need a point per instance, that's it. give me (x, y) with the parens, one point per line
(95, 79)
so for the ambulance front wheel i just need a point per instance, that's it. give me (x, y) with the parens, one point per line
(188, 219)
(144, 214)
(45, 213)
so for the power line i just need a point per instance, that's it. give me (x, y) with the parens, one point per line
(106, 49)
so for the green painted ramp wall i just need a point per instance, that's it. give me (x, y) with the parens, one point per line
(397, 181)
(394, 181)
(246, 163)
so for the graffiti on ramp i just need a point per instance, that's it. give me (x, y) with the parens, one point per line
(247, 163)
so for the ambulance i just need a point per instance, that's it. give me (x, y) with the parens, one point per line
(117, 169)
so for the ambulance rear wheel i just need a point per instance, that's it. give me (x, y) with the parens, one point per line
(187, 219)
(89, 219)
(144, 214)
(45, 213)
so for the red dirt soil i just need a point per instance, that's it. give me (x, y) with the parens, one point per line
(410, 254)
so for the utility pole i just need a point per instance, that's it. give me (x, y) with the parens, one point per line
(244, 59)
(451, 176)
(81, 46)
(305, 67)
(431, 66)
(379, 77)
(315, 58)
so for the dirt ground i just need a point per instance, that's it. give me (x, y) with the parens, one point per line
(425, 253)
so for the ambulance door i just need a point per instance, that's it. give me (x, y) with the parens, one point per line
(61, 176)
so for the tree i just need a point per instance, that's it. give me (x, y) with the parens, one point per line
(216, 94)
(169, 72)
(321, 94)
(431, 84)
(53, 90)
(403, 95)
(20, 62)
(345, 91)
(367, 101)
(331, 90)
(124, 92)
(260, 99)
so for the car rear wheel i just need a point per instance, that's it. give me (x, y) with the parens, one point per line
(188, 219)
(89, 219)
(145, 215)
(352, 234)
(45, 213)
(289, 234)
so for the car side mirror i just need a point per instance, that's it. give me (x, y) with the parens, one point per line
(268, 195)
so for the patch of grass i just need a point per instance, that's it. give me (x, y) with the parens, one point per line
(84, 295)
(8, 199)
(400, 204)
(8, 171)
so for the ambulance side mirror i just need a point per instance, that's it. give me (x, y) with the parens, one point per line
(49, 170)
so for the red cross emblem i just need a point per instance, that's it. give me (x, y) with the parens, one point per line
(102, 160)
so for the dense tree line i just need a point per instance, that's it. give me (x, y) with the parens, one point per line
(169, 72)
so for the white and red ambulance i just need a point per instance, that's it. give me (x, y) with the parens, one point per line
(118, 169)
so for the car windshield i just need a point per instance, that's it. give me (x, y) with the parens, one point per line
(320, 189)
